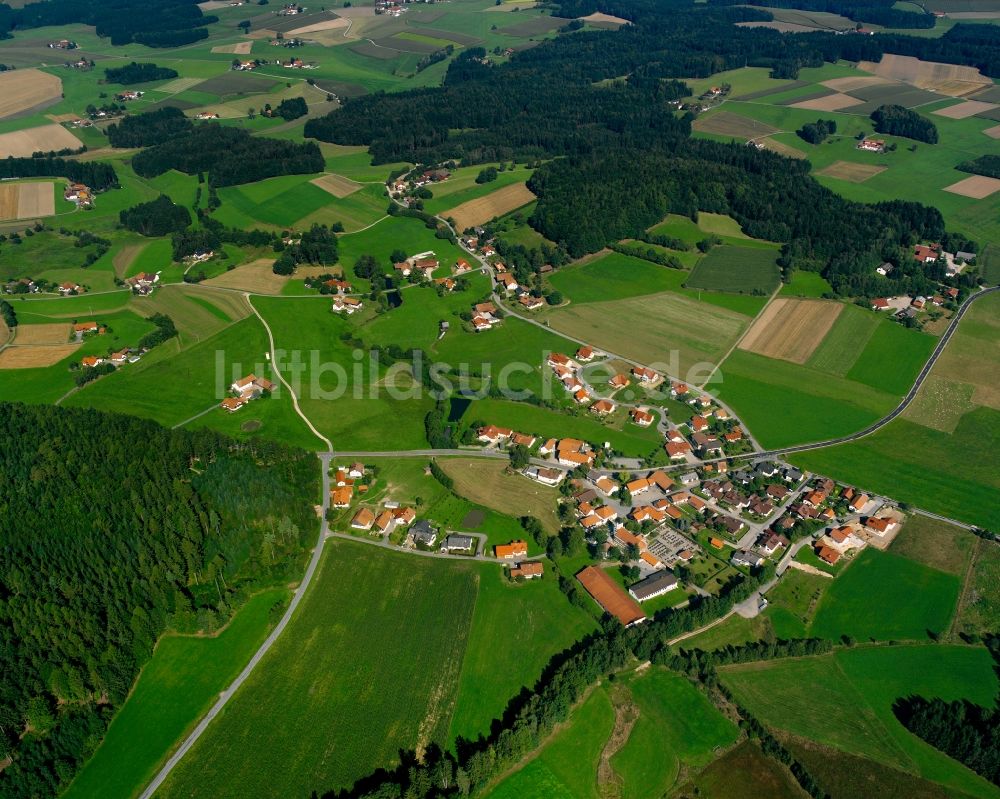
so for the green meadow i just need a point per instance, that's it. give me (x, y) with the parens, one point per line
(845, 699)
(918, 600)
(349, 683)
(180, 682)
(744, 270)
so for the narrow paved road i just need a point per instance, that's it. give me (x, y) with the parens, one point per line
(279, 628)
(285, 383)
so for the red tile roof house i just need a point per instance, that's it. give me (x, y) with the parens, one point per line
(585, 354)
(462, 266)
(699, 423)
(508, 282)
(558, 359)
(641, 417)
(233, 404)
(531, 303)
(619, 381)
(645, 375)
(510, 551)
(880, 304)
(602, 407)
(91, 360)
(677, 450)
(491, 434)
(363, 519)
(925, 254)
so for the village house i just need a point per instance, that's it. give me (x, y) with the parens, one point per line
(885, 269)
(675, 435)
(585, 354)
(572, 452)
(644, 375)
(770, 542)
(581, 397)
(233, 404)
(827, 554)
(143, 283)
(508, 282)
(545, 475)
(70, 288)
(85, 328)
(606, 485)
(462, 267)
(529, 570)
(404, 516)
(641, 417)
(880, 304)
(619, 381)
(363, 519)
(384, 522)
(341, 497)
(603, 407)
(653, 586)
(678, 450)
(346, 305)
(340, 286)
(120, 357)
(879, 526)
(460, 543)
(90, 361)
(448, 284)
(423, 533)
(872, 145)
(491, 434)
(638, 486)
(530, 302)
(251, 386)
(745, 558)
(522, 440)
(515, 549)
(698, 424)
(678, 389)
(926, 254)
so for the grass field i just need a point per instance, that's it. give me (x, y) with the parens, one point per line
(913, 599)
(740, 269)
(844, 700)
(327, 698)
(174, 689)
(841, 347)
(677, 725)
(566, 767)
(793, 603)
(744, 771)
(485, 482)
(981, 603)
(614, 276)
(806, 284)
(934, 543)
(678, 333)
(502, 658)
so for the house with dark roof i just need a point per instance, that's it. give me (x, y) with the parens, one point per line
(653, 586)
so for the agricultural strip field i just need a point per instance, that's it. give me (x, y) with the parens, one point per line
(726, 123)
(922, 599)
(336, 185)
(966, 109)
(34, 356)
(198, 312)
(844, 700)
(939, 454)
(347, 685)
(791, 330)
(22, 143)
(27, 200)
(257, 277)
(27, 90)
(502, 658)
(663, 328)
(978, 187)
(841, 347)
(173, 691)
(483, 209)
(737, 269)
(829, 102)
(940, 78)
(851, 171)
(934, 543)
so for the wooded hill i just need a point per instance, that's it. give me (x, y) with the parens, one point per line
(116, 529)
(604, 98)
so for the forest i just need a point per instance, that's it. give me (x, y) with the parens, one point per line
(138, 73)
(163, 23)
(816, 132)
(988, 165)
(895, 120)
(175, 535)
(630, 156)
(158, 217)
(229, 156)
(318, 245)
(96, 174)
(152, 127)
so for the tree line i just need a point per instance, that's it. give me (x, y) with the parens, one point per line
(7, 314)
(152, 127)
(988, 165)
(816, 132)
(164, 23)
(229, 156)
(98, 175)
(175, 533)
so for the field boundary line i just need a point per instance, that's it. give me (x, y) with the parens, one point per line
(285, 383)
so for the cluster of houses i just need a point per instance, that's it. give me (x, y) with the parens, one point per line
(872, 145)
(70, 289)
(206, 115)
(410, 181)
(129, 95)
(485, 315)
(63, 44)
(120, 358)
(291, 10)
(347, 305)
(906, 306)
(517, 551)
(143, 283)
(932, 253)
(245, 66)
(421, 265)
(79, 194)
(298, 63)
(390, 8)
(245, 390)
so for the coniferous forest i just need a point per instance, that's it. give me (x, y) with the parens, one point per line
(116, 529)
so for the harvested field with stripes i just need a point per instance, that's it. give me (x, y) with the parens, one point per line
(36, 356)
(965, 110)
(23, 143)
(832, 102)
(26, 89)
(483, 209)
(27, 200)
(725, 123)
(30, 335)
(850, 171)
(978, 187)
(790, 330)
(256, 277)
(946, 79)
(336, 185)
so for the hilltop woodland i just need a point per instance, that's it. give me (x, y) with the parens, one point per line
(153, 127)
(178, 532)
(631, 160)
(895, 120)
(229, 156)
(156, 218)
(138, 73)
(165, 23)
